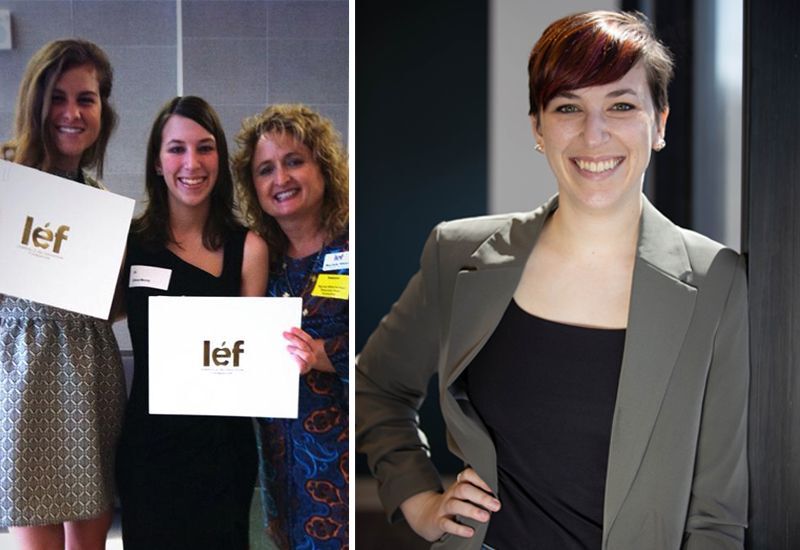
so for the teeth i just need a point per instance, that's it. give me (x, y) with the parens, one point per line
(191, 181)
(597, 167)
(68, 130)
(283, 195)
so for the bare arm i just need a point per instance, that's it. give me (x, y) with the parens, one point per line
(255, 266)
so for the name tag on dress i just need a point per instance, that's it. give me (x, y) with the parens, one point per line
(332, 286)
(150, 277)
(335, 261)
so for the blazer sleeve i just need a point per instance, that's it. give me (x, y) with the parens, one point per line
(392, 375)
(718, 504)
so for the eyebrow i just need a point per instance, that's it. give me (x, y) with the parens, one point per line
(613, 93)
(204, 140)
(82, 92)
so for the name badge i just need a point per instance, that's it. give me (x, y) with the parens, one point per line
(150, 277)
(332, 286)
(335, 261)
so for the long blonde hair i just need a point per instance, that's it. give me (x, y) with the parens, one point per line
(32, 144)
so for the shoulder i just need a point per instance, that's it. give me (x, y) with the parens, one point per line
(339, 243)
(710, 260)
(477, 229)
(693, 258)
(92, 181)
(254, 246)
(473, 229)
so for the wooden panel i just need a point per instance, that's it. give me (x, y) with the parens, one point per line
(771, 169)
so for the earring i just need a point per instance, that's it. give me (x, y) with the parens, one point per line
(539, 147)
(660, 144)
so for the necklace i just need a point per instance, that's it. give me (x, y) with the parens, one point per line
(308, 279)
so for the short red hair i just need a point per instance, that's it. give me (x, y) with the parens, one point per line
(596, 48)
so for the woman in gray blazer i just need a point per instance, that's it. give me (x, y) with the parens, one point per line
(592, 356)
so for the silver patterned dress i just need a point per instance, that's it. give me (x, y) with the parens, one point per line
(62, 395)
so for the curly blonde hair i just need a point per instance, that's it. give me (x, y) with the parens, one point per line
(315, 132)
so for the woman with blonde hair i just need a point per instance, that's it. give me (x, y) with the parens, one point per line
(62, 391)
(292, 174)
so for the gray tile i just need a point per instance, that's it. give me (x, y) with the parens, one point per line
(224, 19)
(6, 124)
(144, 77)
(225, 71)
(337, 113)
(129, 185)
(29, 32)
(126, 22)
(308, 20)
(128, 146)
(232, 116)
(12, 69)
(308, 71)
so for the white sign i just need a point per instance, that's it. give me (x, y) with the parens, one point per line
(223, 356)
(61, 242)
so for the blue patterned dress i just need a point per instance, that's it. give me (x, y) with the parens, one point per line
(304, 462)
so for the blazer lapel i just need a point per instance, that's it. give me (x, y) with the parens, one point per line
(483, 289)
(661, 307)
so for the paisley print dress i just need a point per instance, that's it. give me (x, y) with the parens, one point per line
(304, 462)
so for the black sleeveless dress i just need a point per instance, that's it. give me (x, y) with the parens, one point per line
(183, 481)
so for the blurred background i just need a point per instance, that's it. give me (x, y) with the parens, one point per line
(442, 119)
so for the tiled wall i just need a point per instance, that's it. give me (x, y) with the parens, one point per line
(240, 55)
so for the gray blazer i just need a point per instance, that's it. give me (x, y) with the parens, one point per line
(677, 468)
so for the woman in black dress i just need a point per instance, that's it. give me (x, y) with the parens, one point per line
(187, 481)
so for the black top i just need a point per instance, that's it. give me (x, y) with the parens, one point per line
(547, 391)
(184, 481)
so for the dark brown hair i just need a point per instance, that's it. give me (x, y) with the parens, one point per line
(595, 48)
(32, 144)
(152, 227)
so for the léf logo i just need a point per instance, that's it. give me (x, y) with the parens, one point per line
(42, 237)
(222, 355)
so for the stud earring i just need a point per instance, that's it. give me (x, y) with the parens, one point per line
(539, 147)
(660, 144)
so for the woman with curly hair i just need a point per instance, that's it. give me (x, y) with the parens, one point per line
(292, 174)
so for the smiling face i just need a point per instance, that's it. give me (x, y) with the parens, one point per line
(287, 178)
(189, 161)
(74, 116)
(598, 141)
